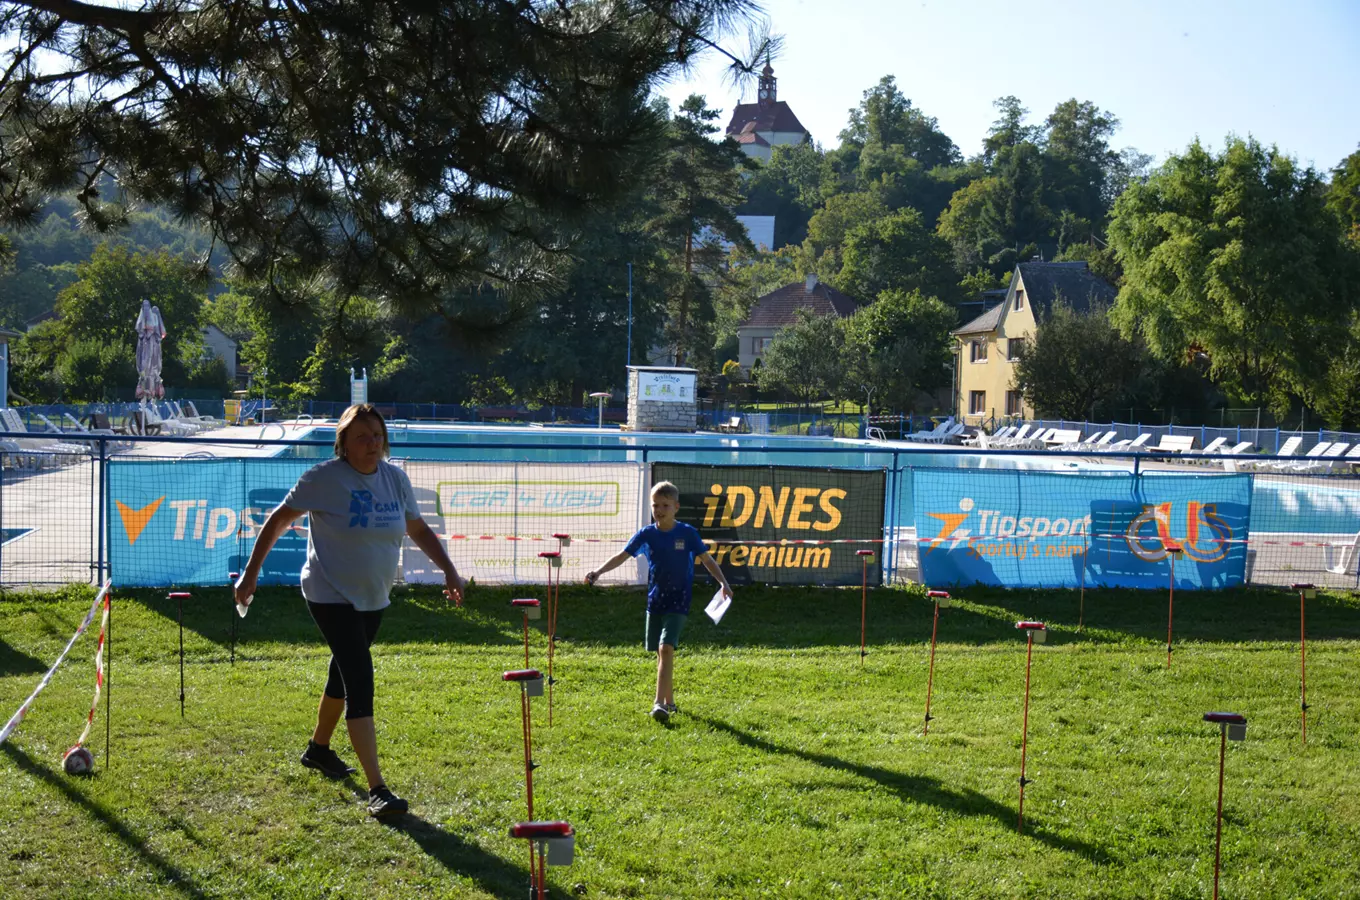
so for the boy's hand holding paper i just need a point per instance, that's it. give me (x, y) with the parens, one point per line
(718, 605)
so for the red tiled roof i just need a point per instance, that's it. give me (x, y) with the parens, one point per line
(750, 137)
(775, 117)
(778, 308)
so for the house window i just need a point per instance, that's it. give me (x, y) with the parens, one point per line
(758, 345)
(1019, 299)
(977, 351)
(977, 403)
(1013, 402)
(1015, 348)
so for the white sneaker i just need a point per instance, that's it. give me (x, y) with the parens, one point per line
(661, 714)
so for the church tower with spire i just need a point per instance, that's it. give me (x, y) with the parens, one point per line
(765, 89)
(759, 127)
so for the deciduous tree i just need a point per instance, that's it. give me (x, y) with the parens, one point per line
(1078, 363)
(897, 347)
(806, 358)
(1235, 256)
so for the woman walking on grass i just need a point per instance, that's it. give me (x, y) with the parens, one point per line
(360, 506)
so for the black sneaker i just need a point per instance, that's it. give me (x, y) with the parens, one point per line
(672, 708)
(383, 803)
(661, 714)
(324, 760)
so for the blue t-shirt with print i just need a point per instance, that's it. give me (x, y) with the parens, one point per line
(670, 565)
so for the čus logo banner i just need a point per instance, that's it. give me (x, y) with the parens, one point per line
(1022, 529)
(784, 524)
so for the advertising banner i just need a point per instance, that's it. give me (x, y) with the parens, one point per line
(495, 518)
(784, 524)
(194, 521)
(1024, 529)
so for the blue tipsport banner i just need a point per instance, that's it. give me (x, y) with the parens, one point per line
(1025, 529)
(195, 521)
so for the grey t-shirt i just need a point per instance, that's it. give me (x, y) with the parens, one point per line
(354, 537)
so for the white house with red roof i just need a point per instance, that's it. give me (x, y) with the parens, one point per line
(779, 309)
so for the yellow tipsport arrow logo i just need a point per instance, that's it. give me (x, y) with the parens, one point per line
(135, 520)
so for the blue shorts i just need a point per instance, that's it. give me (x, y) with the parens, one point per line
(664, 628)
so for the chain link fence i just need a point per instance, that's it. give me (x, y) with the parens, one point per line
(69, 509)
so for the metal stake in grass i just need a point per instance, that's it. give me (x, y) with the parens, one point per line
(554, 843)
(530, 683)
(179, 597)
(1232, 727)
(1036, 632)
(866, 557)
(532, 610)
(554, 558)
(563, 541)
(1305, 591)
(1173, 552)
(941, 599)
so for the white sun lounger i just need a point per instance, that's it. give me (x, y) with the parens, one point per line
(1317, 463)
(1013, 439)
(1314, 452)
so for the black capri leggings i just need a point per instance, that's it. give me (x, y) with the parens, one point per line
(349, 633)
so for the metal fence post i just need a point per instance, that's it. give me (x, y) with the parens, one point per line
(891, 537)
(103, 486)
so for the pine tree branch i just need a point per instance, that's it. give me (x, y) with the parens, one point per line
(126, 21)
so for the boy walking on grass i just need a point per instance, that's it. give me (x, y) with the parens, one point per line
(671, 549)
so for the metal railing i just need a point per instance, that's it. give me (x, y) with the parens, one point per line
(56, 512)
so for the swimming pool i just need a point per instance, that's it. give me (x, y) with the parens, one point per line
(488, 444)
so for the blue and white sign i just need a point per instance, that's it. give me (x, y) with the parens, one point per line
(1025, 529)
(667, 387)
(195, 521)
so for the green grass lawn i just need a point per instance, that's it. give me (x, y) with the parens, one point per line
(791, 772)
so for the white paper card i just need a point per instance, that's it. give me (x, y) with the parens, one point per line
(717, 606)
(243, 608)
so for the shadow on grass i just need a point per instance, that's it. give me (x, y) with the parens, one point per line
(172, 875)
(489, 872)
(16, 662)
(279, 615)
(1116, 616)
(919, 789)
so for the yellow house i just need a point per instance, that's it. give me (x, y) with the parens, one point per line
(989, 346)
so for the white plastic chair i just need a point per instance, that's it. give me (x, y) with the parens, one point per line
(59, 450)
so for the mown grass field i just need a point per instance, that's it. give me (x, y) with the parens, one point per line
(791, 771)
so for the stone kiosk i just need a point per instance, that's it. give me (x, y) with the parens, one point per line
(661, 398)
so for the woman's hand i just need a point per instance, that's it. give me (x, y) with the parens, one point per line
(245, 588)
(454, 586)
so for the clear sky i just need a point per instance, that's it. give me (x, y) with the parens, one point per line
(1286, 72)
